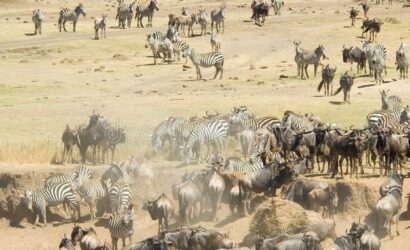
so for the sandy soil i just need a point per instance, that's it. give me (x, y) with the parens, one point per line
(60, 78)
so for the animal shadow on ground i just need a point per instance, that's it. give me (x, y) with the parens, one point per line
(318, 96)
(347, 26)
(229, 219)
(247, 21)
(336, 103)
(29, 34)
(404, 216)
(102, 222)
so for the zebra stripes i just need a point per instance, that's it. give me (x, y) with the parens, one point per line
(81, 173)
(206, 60)
(297, 122)
(157, 46)
(100, 24)
(120, 195)
(392, 103)
(384, 119)
(121, 226)
(124, 13)
(180, 46)
(70, 15)
(255, 123)
(402, 61)
(218, 17)
(377, 62)
(215, 43)
(92, 191)
(147, 11)
(298, 57)
(277, 5)
(203, 20)
(311, 57)
(37, 17)
(255, 164)
(52, 196)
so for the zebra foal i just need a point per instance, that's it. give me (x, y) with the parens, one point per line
(70, 15)
(206, 60)
(38, 18)
(100, 24)
(215, 43)
(402, 61)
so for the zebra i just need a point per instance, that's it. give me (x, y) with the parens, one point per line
(100, 24)
(92, 191)
(385, 119)
(312, 57)
(188, 21)
(377, 62)
(218, 17)
(160, 136)
(82, 173)
(48, 197)
(346, 83)
(120, 195)
(70, 15)
(253, 165)
(277, 5)
(402, 61)
(298, 57)
(328, 73)
(214, 131)
(215, 42)
(121, 226)
(160, 46)
(392, 103)
(203, 20)
(180, 46)
(355, 54)
(297, 122)
(38, 18)
(254, 123)
(260, 9)
(206, 60)
(124, 13)
(172, 34)
(147, 11)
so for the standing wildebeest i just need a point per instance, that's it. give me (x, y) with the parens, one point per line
(346, 83)
(353, 14)
(299, 190)
(323, 197)
(357, 55)
(305, 147)
(147, 11)
(394, 180)
(387, 208)
(312, 57)
(87, 237)
(328, 73)
(89, 136)
(372, 25)
(160, 209)
(69, 139)
(402, 61)
(260, 9)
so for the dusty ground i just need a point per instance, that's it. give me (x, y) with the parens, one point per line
(56, 79)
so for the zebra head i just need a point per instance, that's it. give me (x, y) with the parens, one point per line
(39, 14)
(77, 234)
(401, 52)
(187, 52)
(80, 10)
(27, 199)
(150, 41)
(153, 5)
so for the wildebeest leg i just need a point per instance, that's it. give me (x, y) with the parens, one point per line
(112, 152)
(315, 68)
(341, 166)
(62, 156)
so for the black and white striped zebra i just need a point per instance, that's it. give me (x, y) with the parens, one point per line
(277, 5)
(206, 134)
(385, 119)
(298, 57)
(93, 190)
(377, 62)
(180, 46)
(157, 46)
(392, 103)
(100, 24)
(82, 173)
(255, 123)
(160, 136)
(147, 11)
(203, 20)
(38, 18)
(206, 60)
(218, 17)
(120, 195)
(124, 13)
(121, 226)
(312, 57)
(70, 15)
(297, 122)
(237, 165)
(402, 61)
(51, 196)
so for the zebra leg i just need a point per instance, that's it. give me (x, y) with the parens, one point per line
(62, 156)
(64, 25)
(198, 72)
(96, 34)
(37, 218)
(140, 21)
(114, 243)
(74, 25)
(43, 215)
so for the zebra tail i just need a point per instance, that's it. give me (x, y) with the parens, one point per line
(338, 90)
(320, 85)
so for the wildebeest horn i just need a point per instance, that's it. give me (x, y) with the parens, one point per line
(351, 127)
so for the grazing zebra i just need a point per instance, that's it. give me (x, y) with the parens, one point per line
(206, 133)
(206, 60)
(100, 24)
(121, 226)
(160, 46)
(328, 73)
(38, 18)
(312, 57)
(51, 196)
(180, 46)
(218, 17)
(183, 130)
(355, 54)
(120, 195)
(402, 61)
(346, 83)
(83, 173)
(124, 13)
(147, 11)
(353, 14)
(92, 191)
(70, 15)
(237, 165)
(298, 57)
(277, 5)
(377, 62)
(203, 20)
(366, 8)
(215, 42)
(297, 122)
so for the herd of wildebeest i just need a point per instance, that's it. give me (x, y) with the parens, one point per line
(275, 153)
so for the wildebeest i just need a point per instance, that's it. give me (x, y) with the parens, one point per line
(372, 25)
(328, 73)
(305, 241)
(357, 55)
(299, 190)
(69, 139)
(323, 197)
(395, 179)
(209, 239)
(346, 83)
(87, 238)
(216, 187)
(160, 209)
(66, 244)
(260, 9)
(368, 240)
(147, 244)
(387, 209)
(178, 239)
(353, 14)
(345, 242)
(323, 228)
(90, 136)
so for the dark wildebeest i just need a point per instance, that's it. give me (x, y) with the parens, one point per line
(305, 147)
(160, 209)
(387, 208)
(69, 139)
(266, 180)
(66, 244)
(112, 137)
(90, 136)
(207, 239)
(368, 240)
(87, 238)
(178, 239)
(305, 241)
(299, 190)
(372, 25)
(260, 9)
(323, 197)
(366, 8)
(328, 73)
(357, 55)
(148, 244)
(353, 14)
(346, 83)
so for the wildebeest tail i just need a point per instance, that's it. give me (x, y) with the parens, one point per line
(320, 85)
(338, 90)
